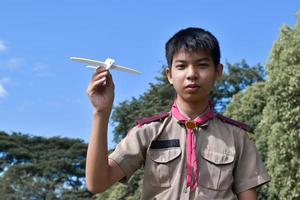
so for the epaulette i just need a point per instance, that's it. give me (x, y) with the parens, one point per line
(154, 118)
(234, 122)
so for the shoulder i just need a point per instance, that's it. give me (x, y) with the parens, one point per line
(154, 118)
(144, 131)
(233, 122)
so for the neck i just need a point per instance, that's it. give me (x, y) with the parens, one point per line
(192, 109)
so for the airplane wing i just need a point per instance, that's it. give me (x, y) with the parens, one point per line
(125, 69)
(95, 63)
(109, 63)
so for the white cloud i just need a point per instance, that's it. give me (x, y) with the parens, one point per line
(11, 63)
(5, 80)
(3, 47)
(14, 63)
(3, 92)
(7, 61)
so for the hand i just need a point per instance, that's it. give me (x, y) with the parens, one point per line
(101, 90)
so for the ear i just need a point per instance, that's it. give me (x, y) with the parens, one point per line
(169, 74)
(219, 71)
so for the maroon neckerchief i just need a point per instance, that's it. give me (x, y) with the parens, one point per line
(191, 157)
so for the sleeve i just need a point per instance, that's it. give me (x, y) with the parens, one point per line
(250, 170)
(130, 152)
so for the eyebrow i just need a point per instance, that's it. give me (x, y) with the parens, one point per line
(198, 60)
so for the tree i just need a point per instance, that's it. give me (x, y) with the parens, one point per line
(236, 77)
(247, 106)
(41, 168)
(129, 191)
(281, 116)
(272, 108)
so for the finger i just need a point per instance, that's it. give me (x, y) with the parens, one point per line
(109, 80)
(98, 71)
(100, 75)
(100, 82)
(96, 85)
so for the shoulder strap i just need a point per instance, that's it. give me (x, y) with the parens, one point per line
(154, 118)
(233, 122)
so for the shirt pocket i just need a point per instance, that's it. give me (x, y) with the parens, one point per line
(160, 165)
(216, 169)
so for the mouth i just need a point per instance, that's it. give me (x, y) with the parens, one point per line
(192, 87)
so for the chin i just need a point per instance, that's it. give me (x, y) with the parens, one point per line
(195, 99)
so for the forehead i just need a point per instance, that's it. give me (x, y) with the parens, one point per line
(183, 55)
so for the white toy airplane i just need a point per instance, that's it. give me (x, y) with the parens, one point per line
(108, 64)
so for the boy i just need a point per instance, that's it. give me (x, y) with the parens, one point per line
(188, 153)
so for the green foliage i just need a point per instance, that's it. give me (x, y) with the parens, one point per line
(273, 110)
(236, 77)
(281, 116)
(129, 191)
(247, 106)
(41, 168)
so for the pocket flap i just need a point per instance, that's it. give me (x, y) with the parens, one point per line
(164, 155)
(218, 158)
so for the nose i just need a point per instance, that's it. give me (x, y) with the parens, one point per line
(192, 73)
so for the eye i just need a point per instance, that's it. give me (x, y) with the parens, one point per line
(203, 65)
(180, 66)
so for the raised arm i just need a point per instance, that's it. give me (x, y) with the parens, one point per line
(101, 172)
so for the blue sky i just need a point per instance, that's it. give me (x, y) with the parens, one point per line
(43, 93)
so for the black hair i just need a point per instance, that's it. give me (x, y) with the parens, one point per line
(191, 40)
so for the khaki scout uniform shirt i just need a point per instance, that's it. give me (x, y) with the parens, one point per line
(228, 162)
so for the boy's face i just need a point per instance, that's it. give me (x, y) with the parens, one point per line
(193, 75)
